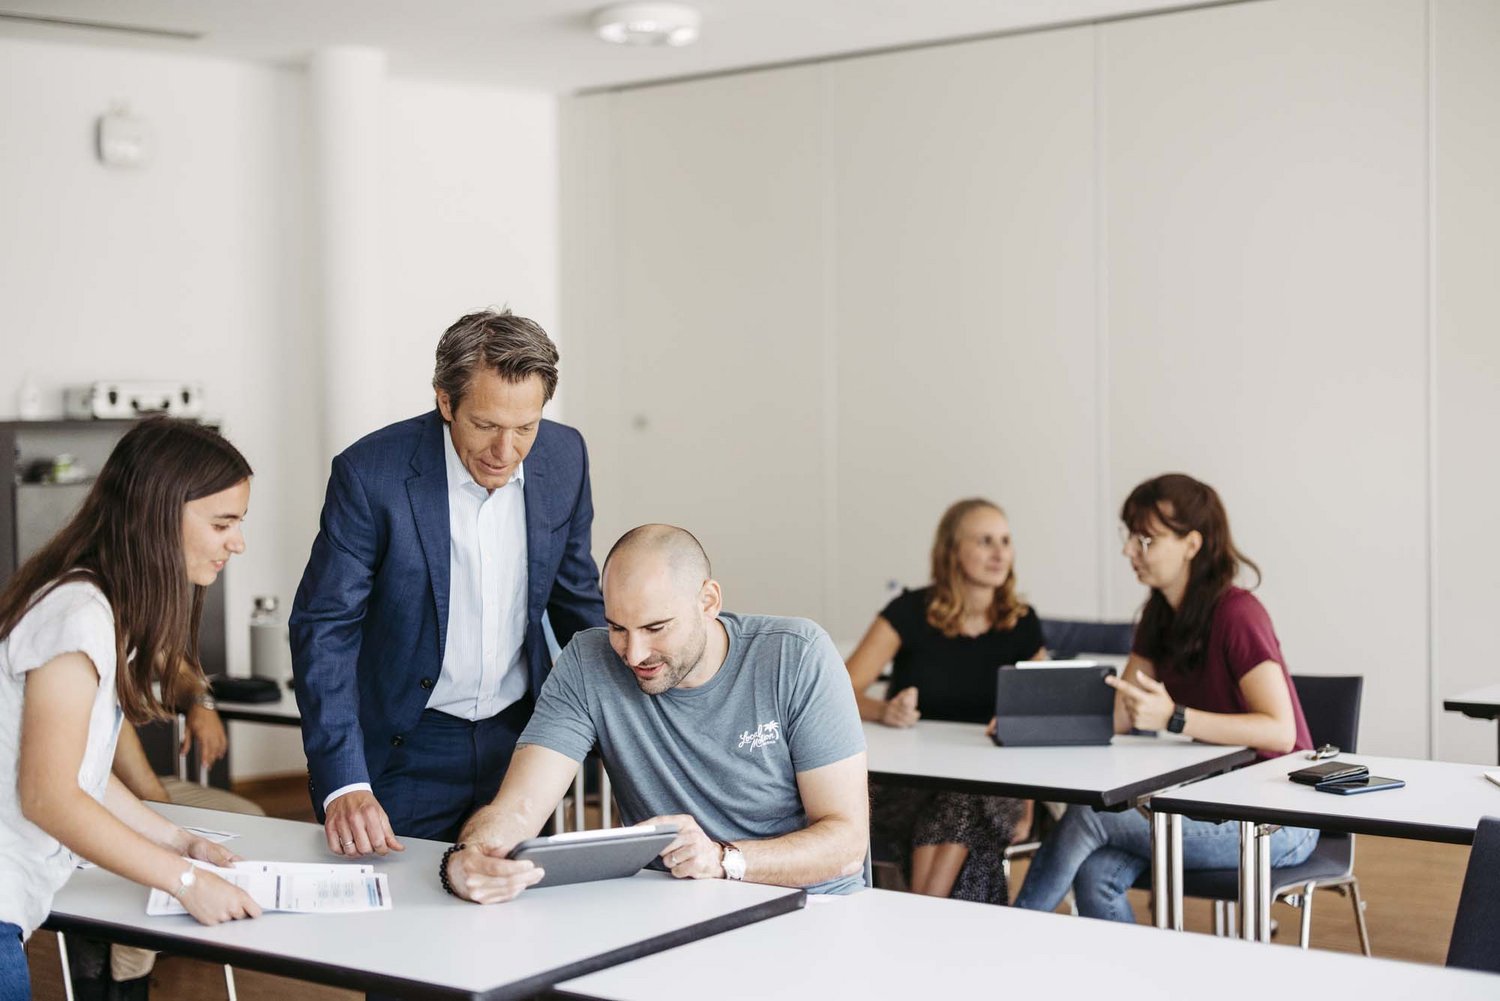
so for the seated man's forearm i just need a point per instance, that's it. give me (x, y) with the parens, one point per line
(828, 849)
(534, 785)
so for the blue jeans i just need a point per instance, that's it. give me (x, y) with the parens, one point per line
(1100, 855)
(15, 975)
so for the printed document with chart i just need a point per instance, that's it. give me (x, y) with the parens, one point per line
(302, 887)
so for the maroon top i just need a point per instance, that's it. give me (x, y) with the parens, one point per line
(1240, 639)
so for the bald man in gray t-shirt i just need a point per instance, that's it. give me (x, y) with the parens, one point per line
(741, 730)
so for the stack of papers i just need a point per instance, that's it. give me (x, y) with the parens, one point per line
(302, 887)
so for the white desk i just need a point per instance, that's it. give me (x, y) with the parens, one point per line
(1442, 801)
(1481, 703)
(960, 757)
(896, 945)
(429, 944)
(283, 711)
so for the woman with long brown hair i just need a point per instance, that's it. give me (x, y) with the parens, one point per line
(945, 642)
(101, 626)
(1206, 663)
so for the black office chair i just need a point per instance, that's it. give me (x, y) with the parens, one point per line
(1331, 707)
(1067, 638)
(1475, 944)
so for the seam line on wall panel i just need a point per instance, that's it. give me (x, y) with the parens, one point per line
(1101, 338)
(1434, 679)
(832, 614)
(936, 43)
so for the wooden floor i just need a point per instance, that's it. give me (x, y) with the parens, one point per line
(1410, 888)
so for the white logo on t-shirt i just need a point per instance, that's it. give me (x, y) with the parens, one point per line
(766, 733)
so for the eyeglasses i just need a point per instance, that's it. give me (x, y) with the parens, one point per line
(1139, 538)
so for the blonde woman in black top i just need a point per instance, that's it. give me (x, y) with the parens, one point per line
(944, 643)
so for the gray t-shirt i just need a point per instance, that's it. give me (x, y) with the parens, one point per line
(726, 753)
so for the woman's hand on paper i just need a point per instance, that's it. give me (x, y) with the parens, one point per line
(213, 900)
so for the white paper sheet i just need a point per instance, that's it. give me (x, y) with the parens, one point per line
(301, 887)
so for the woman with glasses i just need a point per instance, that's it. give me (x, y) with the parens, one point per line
(945, 642)
(1205, 663)
(98, 627)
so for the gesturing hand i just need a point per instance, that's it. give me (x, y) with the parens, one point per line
(691, 855)
(357, 825)
(1146, 701)
(483, 874)
(902, 710)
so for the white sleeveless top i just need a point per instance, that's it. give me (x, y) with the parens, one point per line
(71, 618)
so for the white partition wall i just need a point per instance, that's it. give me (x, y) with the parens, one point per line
(716, 370)
(962, 315)
(1466, 343)
(1246, 241)
(1264, 174)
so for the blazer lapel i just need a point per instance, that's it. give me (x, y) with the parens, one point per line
(428, 492)
(538, 525)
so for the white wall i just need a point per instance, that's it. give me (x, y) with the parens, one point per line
(1466, 348)
(195, 268)
(1044, 267)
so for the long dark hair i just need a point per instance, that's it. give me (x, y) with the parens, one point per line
(127, 540)
(1179, 639)
(945, 609)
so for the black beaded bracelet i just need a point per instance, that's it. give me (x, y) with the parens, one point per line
(443, 867)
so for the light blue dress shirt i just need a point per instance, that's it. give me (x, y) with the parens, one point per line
(483, 666)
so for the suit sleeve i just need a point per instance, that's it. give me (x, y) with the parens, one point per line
(575, 602)
(326, 631)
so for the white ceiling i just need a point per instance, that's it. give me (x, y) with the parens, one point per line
(547, 45)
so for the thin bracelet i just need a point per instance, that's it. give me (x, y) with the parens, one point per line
(443, 867)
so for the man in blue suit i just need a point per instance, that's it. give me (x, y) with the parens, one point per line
(417, 638)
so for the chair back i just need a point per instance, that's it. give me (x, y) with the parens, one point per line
(1067, 638)
(1331, 707)
(1475, 944)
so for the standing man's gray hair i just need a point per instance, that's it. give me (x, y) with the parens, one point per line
(515, 347)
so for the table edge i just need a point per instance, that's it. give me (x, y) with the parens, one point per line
(1473, 710)
(1409, 830)
(1107, 799)
(342, 976)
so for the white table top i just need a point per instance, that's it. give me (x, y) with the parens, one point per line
(428, 943)
(1481, 702)
(953, 949)
(959, 756)
(1442, 801)
(283, 711)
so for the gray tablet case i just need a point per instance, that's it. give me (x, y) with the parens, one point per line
(1051, 706)
(576, 859)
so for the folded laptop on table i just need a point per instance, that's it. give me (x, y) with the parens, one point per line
(1047, 703)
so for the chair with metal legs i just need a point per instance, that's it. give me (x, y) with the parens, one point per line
(1331, 707)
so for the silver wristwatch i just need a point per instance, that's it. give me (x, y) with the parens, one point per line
(185, 882)
(733, 861)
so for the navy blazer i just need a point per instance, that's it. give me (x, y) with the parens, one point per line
(370, 620)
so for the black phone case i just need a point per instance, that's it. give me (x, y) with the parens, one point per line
(1327, 771)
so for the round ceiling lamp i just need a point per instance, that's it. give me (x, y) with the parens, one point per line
(648, 24)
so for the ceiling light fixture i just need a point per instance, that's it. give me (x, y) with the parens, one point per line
(648, 24)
